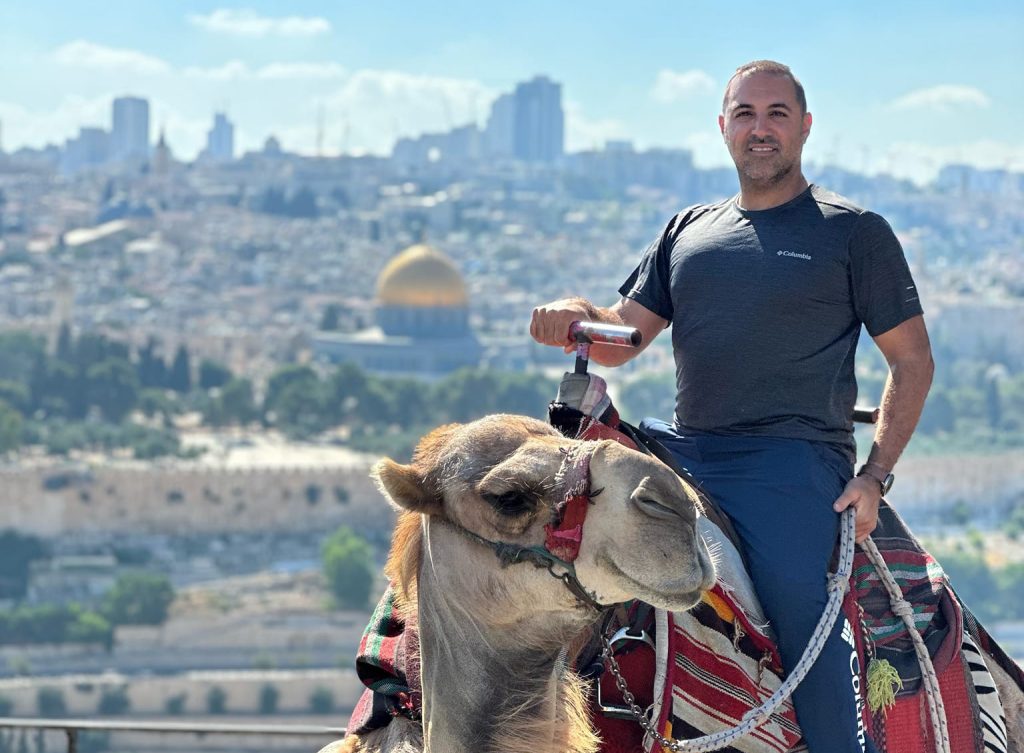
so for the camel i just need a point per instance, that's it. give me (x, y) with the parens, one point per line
(494, 639)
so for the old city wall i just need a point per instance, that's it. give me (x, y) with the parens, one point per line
(182, 501)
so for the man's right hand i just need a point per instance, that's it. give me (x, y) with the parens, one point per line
(550, 323)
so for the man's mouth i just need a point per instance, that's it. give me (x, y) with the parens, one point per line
(762, 148)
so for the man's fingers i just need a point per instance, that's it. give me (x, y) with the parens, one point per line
(846, 499)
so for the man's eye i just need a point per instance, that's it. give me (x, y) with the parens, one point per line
(779, 114)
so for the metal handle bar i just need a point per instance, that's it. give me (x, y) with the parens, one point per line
(587, 333)
(866, 415)
(605, 334)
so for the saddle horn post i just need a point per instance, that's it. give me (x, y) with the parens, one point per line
(587, 333)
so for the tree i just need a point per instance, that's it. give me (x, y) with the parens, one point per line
(17, 551)
(151, 367)
(331, 318)
(216, 700)
(321, 701)
(10, 428)
(175, 704)
(303, 204)
(65, 345)
(234, 404)
(113, 701)
(213, 374)
(113, 387)
(180, 377)
(139, 599)
(348, 567)
(50, 702)
(269, 696)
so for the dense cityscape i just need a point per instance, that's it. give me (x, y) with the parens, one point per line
(200, 360)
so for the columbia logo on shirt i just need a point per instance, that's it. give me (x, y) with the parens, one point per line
(794, 255)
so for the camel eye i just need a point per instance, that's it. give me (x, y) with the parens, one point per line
(510, 503)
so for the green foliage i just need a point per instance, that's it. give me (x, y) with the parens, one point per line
(216, 700)
(113, 702)
(321, 701)
(233, 404)
(6, 706)
(649, 395)
(10, 428)
(50, 702)
(139, 599)
(113, 387)
(269, 696)
(348, 567)
(17, 551)
(175, 704)
(213, 374)
(180, 377)
(18, 352)
(331, 318)
(53, 623)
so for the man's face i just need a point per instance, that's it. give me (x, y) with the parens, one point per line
(763, 127)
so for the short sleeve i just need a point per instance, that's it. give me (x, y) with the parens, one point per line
(884, 292)
(650, 283)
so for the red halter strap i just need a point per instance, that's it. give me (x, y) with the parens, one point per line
(565, 533)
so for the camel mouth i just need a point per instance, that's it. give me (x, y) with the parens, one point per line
(664, 596)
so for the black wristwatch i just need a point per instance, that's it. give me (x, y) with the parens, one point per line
(884, 482)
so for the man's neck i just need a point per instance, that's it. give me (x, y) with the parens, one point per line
(756, 196)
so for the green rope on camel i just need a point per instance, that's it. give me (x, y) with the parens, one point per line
(883, 683)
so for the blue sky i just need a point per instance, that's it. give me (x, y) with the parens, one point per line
(903, 87)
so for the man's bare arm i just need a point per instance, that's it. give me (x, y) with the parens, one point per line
(549, 325)
(908, 352)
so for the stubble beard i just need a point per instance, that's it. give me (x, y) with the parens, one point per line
(754, 172)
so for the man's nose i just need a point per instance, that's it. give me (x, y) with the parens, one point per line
(760, 125)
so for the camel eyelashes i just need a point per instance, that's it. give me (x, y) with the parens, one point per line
(512, 502)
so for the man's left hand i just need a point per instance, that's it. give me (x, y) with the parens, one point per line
(864, 493)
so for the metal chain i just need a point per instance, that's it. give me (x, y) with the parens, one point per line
(837, 586)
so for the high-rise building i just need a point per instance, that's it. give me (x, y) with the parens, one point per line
(220, 140)
(499, 136)
(539, 121)
(129, 138)
(90, 148)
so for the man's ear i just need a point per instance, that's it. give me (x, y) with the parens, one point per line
(807, 126)
(721, 125)
(406, 487)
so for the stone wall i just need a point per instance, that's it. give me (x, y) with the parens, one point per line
(182, 500)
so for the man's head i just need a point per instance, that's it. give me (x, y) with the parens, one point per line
(765, 122)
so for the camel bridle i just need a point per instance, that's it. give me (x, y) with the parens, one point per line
(563, 535)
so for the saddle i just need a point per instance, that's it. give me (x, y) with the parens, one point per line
(700, 671)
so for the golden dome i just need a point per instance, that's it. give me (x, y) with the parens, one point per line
(421, 276)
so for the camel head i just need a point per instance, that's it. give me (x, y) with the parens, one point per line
(502, 478)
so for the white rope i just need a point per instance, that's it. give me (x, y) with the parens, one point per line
(902, 608)
(838, 584)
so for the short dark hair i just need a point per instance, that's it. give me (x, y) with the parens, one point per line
(768, 66)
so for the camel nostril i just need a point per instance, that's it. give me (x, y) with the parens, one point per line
(655, 509)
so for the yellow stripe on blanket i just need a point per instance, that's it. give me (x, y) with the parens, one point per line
(721, 607)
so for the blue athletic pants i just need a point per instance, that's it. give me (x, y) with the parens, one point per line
(779, 495)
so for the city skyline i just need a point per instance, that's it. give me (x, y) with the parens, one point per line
(933, 85)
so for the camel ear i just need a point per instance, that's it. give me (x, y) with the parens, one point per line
(406, 487)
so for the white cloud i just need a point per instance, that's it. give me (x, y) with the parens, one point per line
(82, 54)
(301, 70)
(942, 97)
(582, 133)
(37, 128)
(381, 106)
(922, 162)
(675, 86)
(243, 22)
(236, 70)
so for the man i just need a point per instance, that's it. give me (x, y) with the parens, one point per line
(766, 294)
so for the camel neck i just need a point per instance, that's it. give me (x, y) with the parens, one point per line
(489, 687)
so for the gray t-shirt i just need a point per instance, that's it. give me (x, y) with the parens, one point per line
(766, 309)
